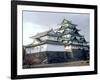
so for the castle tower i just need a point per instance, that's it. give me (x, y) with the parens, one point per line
(76, 46)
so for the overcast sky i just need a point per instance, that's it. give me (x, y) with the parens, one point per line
(35, 22)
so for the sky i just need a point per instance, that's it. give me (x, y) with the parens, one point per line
(36, 22)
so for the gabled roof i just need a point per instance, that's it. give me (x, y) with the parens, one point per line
(65, 21)
(49, 33)
(82, 40)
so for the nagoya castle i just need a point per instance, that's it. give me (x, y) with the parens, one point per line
(63, 44)
(75, 45)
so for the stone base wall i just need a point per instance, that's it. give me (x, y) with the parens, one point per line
(77, 54)
(50, 57)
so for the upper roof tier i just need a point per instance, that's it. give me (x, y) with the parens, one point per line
(65, 21)
(69, 32)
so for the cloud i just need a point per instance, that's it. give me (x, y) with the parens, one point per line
(31, 29)
(34, 22)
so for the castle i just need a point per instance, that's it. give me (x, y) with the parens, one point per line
(59, 45)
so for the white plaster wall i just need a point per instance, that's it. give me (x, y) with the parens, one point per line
(75, 47)
(55, 47)
(45, 47)
(36, 49)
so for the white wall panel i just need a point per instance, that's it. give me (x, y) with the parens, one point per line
(45, 47)
(55, 47)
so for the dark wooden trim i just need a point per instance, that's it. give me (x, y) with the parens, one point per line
(55, 4)
(13, 40)
(95, 39)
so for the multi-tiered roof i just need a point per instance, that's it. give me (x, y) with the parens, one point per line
(69, 34)
(47, 37)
